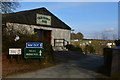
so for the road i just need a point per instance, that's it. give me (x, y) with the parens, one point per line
(71, 66)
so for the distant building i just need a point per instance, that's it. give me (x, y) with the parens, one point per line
(108, 43)
(76, 40)
(41, 21)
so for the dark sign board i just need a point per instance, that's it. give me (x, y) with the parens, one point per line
(34, 53)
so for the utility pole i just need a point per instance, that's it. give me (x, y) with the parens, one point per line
(118, 20)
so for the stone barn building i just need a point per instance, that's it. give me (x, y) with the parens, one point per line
(42, 21)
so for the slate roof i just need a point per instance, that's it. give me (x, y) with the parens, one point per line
(29, 17)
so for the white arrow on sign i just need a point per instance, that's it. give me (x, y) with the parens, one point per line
(40, 52)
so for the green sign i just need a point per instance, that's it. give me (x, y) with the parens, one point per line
(34, 53)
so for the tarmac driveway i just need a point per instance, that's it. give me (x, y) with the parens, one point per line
(72, 65)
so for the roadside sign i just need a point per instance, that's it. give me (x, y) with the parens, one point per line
(34, 45)
(34, 53)
(15, 51)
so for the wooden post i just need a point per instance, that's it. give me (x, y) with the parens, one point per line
(11, 57)
(40, 61)
(18, 59)
(63, 42)
(67, 42)
(54, 41)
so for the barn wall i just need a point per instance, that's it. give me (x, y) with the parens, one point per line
(55, 34)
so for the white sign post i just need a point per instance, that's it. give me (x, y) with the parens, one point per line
(15, 51)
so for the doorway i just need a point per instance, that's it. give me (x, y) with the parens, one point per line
(44, 34)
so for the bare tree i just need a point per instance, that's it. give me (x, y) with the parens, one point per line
(8, 7)
(104, 35)
(115, 36)
(96, 35)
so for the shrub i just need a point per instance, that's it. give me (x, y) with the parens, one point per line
(98, 46)
(69, 47)
(78, 49)
(117, 42)
(73, 48)
(48, 52)
(89, 49)
(8, 42)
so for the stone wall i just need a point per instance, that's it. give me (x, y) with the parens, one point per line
(21, 28)
(56, 33)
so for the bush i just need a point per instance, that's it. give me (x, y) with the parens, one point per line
(8, 42)
(73, 48)
(48, 52)
(89, 49)
(98, 46)
(117, 42)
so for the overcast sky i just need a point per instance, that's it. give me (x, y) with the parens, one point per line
(91, 18)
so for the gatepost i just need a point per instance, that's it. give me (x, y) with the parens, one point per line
(115, 69)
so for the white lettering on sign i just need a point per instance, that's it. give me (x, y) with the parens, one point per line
(40, 52)
(29, 45)
(43, 19)
(15, 51)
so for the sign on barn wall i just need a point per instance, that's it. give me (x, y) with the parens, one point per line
(43, 19)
